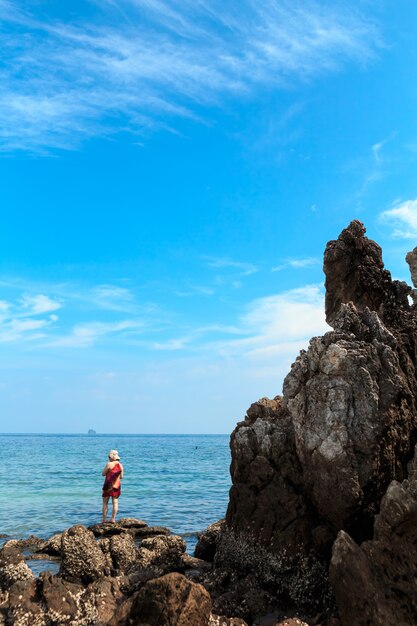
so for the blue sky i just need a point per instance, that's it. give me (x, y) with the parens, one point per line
(170, 174)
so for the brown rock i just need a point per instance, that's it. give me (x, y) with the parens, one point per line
(60, 597)
(123, 551)
(221, 620)
(355, 273)
(24, 607)
(151, 531)
(82, 558)
(265, 469)
(12, 565)
(162, 552)
(325, 453)
(375, 583)
(171, 600)
(192, 563)
(53, 545)
(105, 595)
(206, 544)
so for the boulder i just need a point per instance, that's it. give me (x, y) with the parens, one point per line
(12, 565)
(82, 559)
(193, 563)
(124, 525)
(123, 551)
(206, 544)
(162, 552)
(52, 546)
(171, 600)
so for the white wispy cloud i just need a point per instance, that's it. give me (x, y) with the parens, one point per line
(178, 343)
(296, 263)
(137, 63)
(37, 304)
(13, 328)
(245, 269)
(375, 165)
(86, 335)
(111, 298)
(402, 218)
(280, 324)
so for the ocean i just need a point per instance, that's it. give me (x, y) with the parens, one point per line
(51, 482)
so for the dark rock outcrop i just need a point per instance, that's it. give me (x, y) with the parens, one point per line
(266, 501)
(321, 458)
(376, 582)
(355, 273)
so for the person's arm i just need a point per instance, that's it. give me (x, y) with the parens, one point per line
(122, 473)
(104, 472)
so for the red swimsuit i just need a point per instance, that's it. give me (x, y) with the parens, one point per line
(111, 487)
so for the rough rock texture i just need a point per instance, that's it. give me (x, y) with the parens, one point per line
(220, 620)
(59, 597)
(376, 582)
(82, 558)
(123, 551)
(266, 501)
(411, 259)
(23, 605)
(172, 600)
(320, 459)
(161, 552)
(355, 273)
(124, 525)
(12, 565)
(53, 545)
(101, 574)
(206, 544)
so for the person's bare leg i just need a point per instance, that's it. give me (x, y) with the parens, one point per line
(105, 508)
(115, 508)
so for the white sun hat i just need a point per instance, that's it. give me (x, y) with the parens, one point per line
(114, 455)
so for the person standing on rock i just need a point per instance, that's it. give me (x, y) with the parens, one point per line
(113, 471)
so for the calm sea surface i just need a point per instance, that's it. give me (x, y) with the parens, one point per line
(51, 482)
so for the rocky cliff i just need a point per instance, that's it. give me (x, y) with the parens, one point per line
(319, 460)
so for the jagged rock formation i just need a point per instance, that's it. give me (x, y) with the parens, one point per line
(316, 463)
(320, 459)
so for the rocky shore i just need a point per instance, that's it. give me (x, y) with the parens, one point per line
(321, 526)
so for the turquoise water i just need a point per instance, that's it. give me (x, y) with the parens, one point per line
(54, 481)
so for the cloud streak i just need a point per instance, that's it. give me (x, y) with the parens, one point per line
(136, 65)
(402, 218)
(244, 269)
(297, 264)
